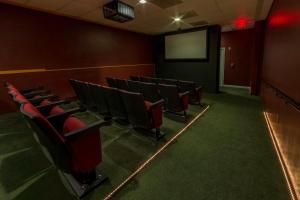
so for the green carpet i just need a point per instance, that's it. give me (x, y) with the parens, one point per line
(227, 154)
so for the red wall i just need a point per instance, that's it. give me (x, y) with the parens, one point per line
(243, 56)
(34, 40)
(281, 68)
(238, 58)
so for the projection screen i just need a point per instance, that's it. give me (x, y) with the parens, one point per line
(191, 45)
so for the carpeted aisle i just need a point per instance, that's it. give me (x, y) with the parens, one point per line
(227, 154)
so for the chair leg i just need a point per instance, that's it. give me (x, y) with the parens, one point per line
(185, 115)
(86, 182)
(158, 134)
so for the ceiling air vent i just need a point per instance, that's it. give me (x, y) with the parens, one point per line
(118, 11)
(165, 3)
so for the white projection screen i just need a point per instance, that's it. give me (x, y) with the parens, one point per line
(191, 45)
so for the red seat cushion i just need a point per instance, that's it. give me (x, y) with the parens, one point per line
(56, 110)
(45, 102)
(148, 104)
(156, 114)
(37, 97)
(21, 99)
(72, 124)
(85, 148)
(14, 92)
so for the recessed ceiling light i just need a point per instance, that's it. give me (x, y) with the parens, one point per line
(177, 19)
(143, 1)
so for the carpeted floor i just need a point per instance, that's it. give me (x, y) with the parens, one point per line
(226, 154)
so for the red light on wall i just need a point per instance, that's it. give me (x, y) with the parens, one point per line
(241, 23)
(283, 18)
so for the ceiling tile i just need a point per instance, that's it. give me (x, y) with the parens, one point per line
(76, 8)
(265, 9)
(238, 8)
(49, 5)
(17, 2)
(153, 19)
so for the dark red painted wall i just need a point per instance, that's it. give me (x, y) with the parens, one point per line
(30, 39)
(281, 68)
(243, 56)
(238, 56)
(282, 54)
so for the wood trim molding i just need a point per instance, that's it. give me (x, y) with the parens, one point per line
(22, 71)
(5, 72)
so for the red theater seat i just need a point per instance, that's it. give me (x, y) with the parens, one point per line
(175, 101)
(195, 91)
(143, 114)
(74, 146)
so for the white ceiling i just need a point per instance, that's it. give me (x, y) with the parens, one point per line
(150, 18)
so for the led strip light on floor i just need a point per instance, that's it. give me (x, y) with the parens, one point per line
(287, 175)
(140, 168)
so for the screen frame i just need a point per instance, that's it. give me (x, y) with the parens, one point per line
(188, 31)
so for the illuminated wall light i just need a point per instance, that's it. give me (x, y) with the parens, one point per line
(284, 18)
(143, 1)
(290, 180)
(141, 167)
(242, 23)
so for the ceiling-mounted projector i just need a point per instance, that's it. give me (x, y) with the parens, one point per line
(118, 11)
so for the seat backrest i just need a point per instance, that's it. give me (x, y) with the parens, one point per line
(116, 105)
(79, 90)
(134, 78)
(121, 84)
(170, 82)
(136, 109)
(146, 79)
(170, 94)
(156, 80)
(111, 82)
(187, 86)
(150, 92)
(100, 101)
(74, 85)
(87, 94)
(133, 86)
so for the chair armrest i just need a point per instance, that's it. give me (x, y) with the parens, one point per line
(46, 108)
(59, 119)
(24, 91)
(157, 103)
(198, 88)
(64, 114)
(34, 93)
(42, 97)
(87, 129)
(37, 101)
(184, 93)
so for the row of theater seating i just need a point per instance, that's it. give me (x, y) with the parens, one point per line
(183, 86)
(74, 147)
(121, 105)
(176, 100)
